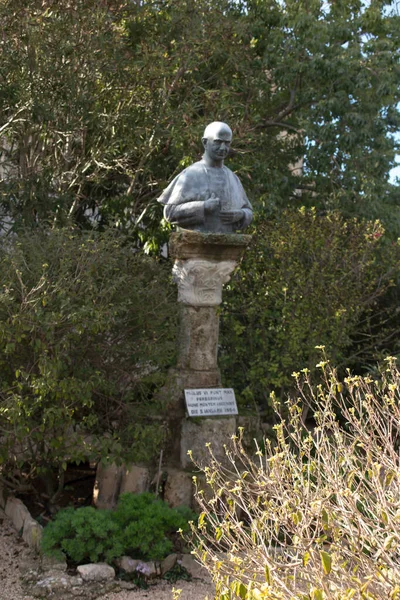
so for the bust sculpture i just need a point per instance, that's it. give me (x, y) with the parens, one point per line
(207, 196)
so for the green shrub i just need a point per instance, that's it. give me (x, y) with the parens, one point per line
(307, 279)
(83, 535)
(87, 330)
(315, 514)
(147, 525)
(142, 526)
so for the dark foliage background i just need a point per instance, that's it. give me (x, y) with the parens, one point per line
(101, 104)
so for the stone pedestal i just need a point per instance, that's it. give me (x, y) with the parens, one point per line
(203, 263)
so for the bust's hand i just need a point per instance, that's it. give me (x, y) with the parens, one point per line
(211, 205)
(231, 216)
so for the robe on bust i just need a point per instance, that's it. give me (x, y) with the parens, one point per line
(185, 196)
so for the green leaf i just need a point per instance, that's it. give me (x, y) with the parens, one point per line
(326, 560)
(268, 577)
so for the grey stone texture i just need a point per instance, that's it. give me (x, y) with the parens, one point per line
(107, 485)
(32, 533)
(17, 511)
(150, 569)
(128, 564)
(197, 364)
(135, 479)
(55, 585)
(200, 281)
(168, 563)
(185, 245)
(178, 488)
(195, 436)
(195, 569)
(96, 572)
(173, 398)
(198, 338)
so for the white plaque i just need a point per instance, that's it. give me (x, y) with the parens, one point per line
(210, 402)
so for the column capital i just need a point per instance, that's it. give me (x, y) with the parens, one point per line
(200, 281)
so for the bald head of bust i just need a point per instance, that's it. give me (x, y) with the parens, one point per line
(216, 140)
(214, 129)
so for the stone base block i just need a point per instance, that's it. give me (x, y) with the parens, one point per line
(135, 480)
(18, 513)
(185, 244)
(107, 485)
(96, 572)
(168, 563)
(32, 533)
(172, 394)
(198, 338)
(195, 436)
(195, 569)
(178, 488)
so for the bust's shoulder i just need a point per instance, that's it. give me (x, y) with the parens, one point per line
(196, 167)
(231, 174)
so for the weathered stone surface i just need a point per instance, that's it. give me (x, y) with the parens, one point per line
(96, 572)
(49, 563)
(17, 511)
(171, 395)
(198, 338)
(135, 479)
(107, 485)
(168, 563)
(185, 244)
(182, 379)
(200, 281)
(32, 533)
(55, 585)
(178, 488)
(195, 436)
(195, 569)
(58, 586)
(128, 564)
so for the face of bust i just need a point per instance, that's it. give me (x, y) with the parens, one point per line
(217, 146)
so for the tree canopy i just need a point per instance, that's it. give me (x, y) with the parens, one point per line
(102, 103)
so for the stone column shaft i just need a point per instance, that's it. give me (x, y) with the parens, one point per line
(198, 338)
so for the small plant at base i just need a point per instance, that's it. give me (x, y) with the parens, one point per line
(141, 526)
(316, 515)
(137, 578)
(177, 572)
(147, 525)
(84, 534)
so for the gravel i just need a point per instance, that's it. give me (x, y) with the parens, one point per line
(13, 549)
